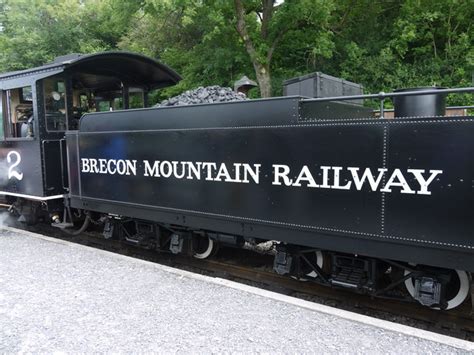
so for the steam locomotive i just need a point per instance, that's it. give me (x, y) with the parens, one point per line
(349, 200)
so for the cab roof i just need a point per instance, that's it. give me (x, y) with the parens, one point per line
(130, 68)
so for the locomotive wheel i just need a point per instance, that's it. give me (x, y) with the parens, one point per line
(315, 258)
(203, 247)
(457, 290)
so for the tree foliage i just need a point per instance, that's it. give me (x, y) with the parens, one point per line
(264, 25)
(36, 31)
(382, 44)
(393, 44)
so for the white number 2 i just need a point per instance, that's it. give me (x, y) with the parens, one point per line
(11, 171)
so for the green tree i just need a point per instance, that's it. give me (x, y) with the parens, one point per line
(393, 44)
(193, 38)
(382, 44)
(34, 32)
(264, 25)
(214, 41)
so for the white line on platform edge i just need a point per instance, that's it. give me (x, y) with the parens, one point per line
(351, 316)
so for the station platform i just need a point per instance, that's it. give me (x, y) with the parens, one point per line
(57, 296)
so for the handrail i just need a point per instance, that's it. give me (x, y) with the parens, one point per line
(447, 108)
(383, 95)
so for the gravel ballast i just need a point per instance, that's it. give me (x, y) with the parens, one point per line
(60, 297)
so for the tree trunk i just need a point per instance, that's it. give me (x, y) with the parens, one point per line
(262, 71)
(263, 78)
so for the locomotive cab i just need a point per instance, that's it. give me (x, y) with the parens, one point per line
(39, 105)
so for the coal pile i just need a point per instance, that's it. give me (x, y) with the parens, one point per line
(204, 95)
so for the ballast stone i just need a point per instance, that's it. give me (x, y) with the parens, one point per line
(95, 310)
(204, 95)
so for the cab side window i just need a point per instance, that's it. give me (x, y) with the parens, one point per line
(17, 113)
(54, 90)
(136, 98)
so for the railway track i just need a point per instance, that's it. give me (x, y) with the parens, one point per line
(255, 269)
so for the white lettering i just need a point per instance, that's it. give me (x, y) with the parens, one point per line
(305, 175)
(166, 171)
(85, 165)
(102, 166)
(397, 175)
(325, 184)
(367, 175)
(194, 168)
(121, 167)
(109, 166)
(421, 180)
(237, 172)
(255, 174)
(209, 167)
(151, 171)
(281, 172)
(11, 170)
(175, 169)
(341, 178)
(131, 167)
(222, 173)
(93, 163)
(336, 185)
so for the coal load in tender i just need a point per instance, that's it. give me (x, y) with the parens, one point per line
(201, 95)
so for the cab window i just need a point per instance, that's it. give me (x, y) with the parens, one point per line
(136, 98)
(17, 113)
(54, 90)
(109, 101)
